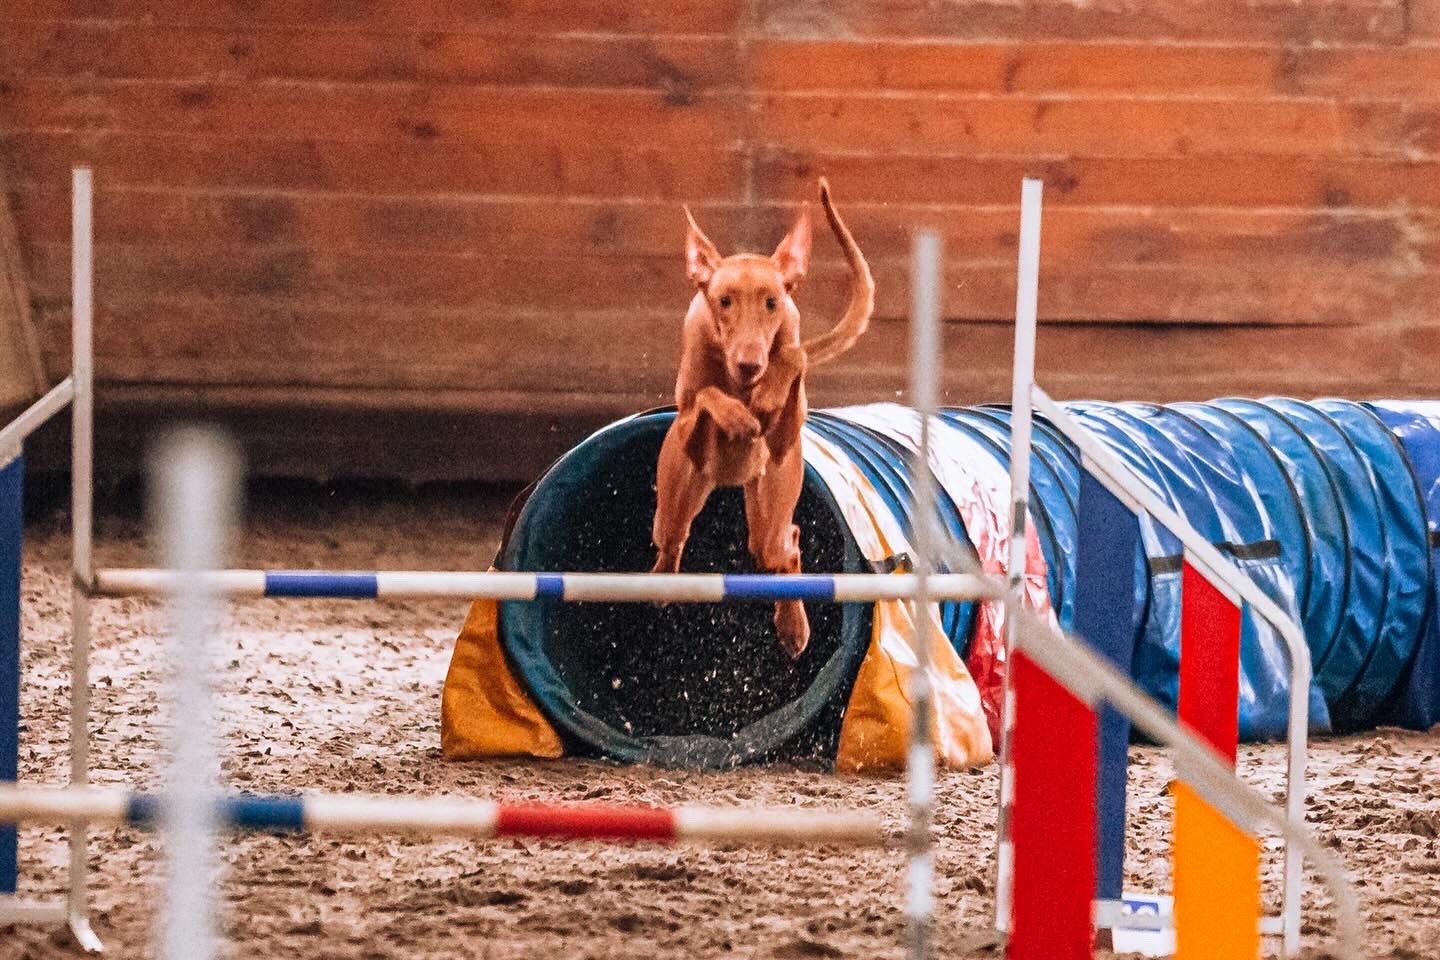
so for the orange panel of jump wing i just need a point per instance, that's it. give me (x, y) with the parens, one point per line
(1217, 865)
(1217, 884)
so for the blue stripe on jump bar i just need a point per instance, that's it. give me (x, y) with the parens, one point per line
(264, 813)
(550, 585)
(300, 583)
(241, 813)
(760, 586)
(141, 810)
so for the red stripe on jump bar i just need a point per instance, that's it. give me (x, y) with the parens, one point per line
(586, 823)
(1209, 662)
(1052, 826)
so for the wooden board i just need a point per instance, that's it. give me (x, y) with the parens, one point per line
(1094, 69)
(22, 371)
(212, 223)
(123, 50)
(162, 275)
(1274, 21)
(405, 16)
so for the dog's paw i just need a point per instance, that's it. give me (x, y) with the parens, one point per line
(737, 423)
(769, 398)
(793, 629)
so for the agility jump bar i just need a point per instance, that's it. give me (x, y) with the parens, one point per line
(457, 816)
(605, 587)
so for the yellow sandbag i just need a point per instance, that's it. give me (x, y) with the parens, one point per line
(484, 712)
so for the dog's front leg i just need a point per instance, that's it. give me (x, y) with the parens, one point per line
(775, 540)
(782, 377)
(778, 400)
(681, 489)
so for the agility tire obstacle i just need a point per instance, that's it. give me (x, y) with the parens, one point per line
(1089, 680)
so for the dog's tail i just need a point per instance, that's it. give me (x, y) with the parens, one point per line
(842, 336)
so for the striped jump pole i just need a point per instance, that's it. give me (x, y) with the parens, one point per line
(574, 587)
(461, 816)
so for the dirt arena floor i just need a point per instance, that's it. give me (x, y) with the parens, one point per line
(345, 695)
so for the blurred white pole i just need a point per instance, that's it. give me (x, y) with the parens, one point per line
(82, 411)
(193, 504)
(926, 278)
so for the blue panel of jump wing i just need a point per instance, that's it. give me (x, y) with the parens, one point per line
(11, 516)
(142, 810)
(1107, 539)
(1157, 652)
(304, 583)
(1417, 424)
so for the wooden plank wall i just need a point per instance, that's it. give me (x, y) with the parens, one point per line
(431, 205)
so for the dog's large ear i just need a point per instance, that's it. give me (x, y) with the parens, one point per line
(793, 254)
(701, 257)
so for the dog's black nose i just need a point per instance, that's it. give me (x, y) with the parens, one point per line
(749, 372)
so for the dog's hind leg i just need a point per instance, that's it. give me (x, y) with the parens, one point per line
(775, 540)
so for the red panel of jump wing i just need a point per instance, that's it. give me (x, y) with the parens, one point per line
(1053, 753)
(1209, 662)
(586, 823)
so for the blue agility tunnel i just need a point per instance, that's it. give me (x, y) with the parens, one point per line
(1331, 506)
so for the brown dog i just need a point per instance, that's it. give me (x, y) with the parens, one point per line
(741, 394)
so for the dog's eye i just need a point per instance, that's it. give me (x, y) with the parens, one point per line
(725, 300)
(770, 304)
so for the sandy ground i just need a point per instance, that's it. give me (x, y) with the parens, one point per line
(345, 696)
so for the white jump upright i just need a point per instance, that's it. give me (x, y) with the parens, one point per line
(1027, 303)
(82, 500)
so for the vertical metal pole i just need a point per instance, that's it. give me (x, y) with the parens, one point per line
(1022, 381)
(926, 288)
(81, 504)
(1295, 807)
(194, 492)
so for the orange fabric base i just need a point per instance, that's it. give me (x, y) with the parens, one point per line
(875, 734)
(484, 712)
